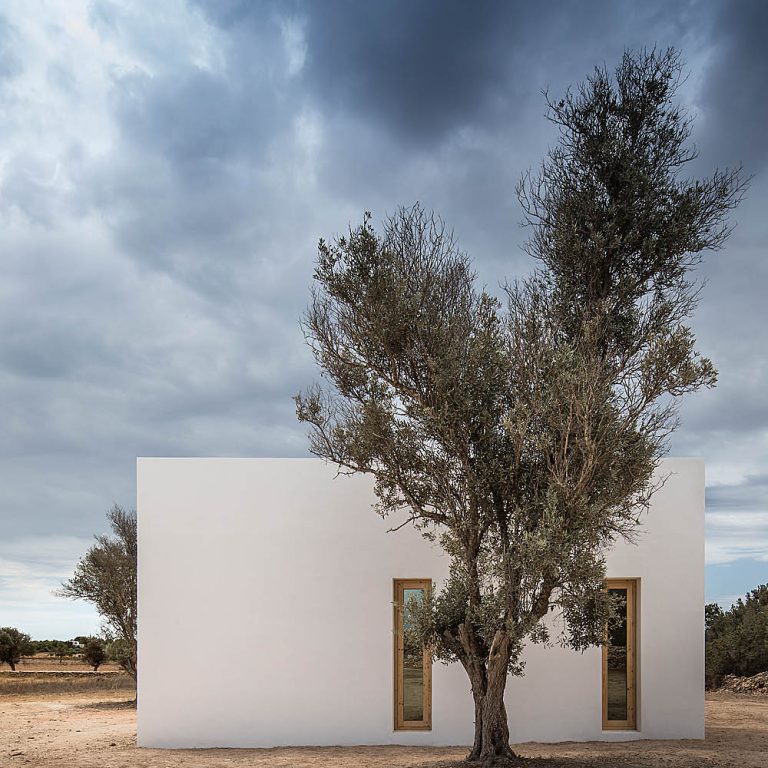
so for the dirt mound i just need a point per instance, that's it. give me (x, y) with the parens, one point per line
(757, 685)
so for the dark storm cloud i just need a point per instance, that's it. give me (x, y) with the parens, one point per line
(441, 102)
(427, 69)
(734, 99)
(422, 70)
(163, 188)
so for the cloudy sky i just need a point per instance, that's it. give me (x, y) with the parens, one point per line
(167, 168)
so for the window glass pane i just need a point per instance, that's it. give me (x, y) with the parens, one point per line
(413, 662)
(617, 662)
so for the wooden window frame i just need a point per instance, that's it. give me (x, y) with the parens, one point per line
(425, 724)
(630, 724)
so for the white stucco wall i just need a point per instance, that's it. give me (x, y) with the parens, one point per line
(285, 573)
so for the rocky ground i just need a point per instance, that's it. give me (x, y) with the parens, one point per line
(86, 730)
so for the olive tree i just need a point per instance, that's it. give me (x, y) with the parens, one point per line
(94, 653)
(13, 645)
(106, 577)
(523, 435)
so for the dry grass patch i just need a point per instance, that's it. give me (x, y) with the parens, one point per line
(47, 662)
(23, 683)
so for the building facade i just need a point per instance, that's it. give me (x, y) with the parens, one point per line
(268, 616)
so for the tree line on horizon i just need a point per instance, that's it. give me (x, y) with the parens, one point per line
(737, 638)
(16, 645)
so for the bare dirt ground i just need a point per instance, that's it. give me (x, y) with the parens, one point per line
(98, 728)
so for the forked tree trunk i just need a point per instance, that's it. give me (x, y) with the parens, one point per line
(491, 746)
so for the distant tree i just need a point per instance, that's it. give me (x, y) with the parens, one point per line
(737, 639)
(40, 646)
(13, 645)
(106, 577)
(120, 651)
(525, 440)
(63, 649)
(59, 648)
(94, 652)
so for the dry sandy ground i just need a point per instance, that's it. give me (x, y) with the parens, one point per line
(96, 729)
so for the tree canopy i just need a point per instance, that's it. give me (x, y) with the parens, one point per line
(106, 577)
(94, 652)
(13, 645)
(523, 432)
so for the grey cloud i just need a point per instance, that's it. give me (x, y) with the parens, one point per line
(104, 16)
(421, 71)
(751, 494)
(737, 536)
(28, 185)
(733, 98)
(194, 117)
(232, 14)
(50, 350)
(194, 229)
(428, 69)
(150, 297)
(730, 323)
(198, 182)
(10, 63)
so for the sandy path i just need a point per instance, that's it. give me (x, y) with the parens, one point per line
(84, 730)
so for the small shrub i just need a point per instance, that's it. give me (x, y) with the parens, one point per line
(94, 653)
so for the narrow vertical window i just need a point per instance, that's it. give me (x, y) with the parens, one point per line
(413, 663)
(620, 660)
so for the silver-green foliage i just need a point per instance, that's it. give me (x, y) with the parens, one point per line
(14, 644)
(106, 576)
(523, 434)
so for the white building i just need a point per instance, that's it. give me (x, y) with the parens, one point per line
(266, 619)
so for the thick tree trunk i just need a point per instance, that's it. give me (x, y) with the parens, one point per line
(491, 746)
(477, 745)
